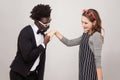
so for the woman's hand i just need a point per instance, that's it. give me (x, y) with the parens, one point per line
(51, 33)
(56, 33)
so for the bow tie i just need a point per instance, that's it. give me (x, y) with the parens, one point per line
(41, 32)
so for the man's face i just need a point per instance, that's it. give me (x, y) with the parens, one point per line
(45, 23)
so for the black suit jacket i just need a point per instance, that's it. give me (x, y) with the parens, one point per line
(27, 53)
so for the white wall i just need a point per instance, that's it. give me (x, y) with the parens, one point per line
(62, 61)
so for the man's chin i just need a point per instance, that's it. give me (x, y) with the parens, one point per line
(45, 29)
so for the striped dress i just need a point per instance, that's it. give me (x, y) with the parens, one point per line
(89, 54)
(87, 67)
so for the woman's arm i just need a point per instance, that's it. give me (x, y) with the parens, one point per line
(99, 73)
(58, 35)
(64, 40)
(97, 48)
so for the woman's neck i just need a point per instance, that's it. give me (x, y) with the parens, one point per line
(90, 32)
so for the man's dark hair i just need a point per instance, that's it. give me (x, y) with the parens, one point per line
(40, 11)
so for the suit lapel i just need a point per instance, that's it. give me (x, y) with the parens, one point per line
(32, 36)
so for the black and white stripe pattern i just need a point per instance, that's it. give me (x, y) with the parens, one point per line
(87, 67)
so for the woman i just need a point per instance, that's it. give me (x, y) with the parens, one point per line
(90, 45)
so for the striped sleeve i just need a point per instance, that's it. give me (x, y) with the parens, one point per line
(97, 48)
(72, 42)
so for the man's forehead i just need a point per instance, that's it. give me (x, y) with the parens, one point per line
(45, 19)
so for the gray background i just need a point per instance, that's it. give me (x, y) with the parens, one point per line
(61, 61)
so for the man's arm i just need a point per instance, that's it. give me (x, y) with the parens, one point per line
(28, 51)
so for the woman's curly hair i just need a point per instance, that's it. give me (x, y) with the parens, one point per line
(40, 11)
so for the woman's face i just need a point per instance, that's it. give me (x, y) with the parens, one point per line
(87, 24)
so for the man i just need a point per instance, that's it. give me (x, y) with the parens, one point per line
(29, 62)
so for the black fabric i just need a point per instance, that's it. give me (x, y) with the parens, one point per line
(16, 76)
(27, 53)
(87, 65)
(42, 32)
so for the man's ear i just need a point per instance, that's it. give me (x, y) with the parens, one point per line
(94, 23)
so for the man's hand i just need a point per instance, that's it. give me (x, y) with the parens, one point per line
(46, 39)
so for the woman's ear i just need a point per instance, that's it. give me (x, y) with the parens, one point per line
(94, 23)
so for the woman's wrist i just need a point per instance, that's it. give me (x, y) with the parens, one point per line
(58, 35)
(56, 32)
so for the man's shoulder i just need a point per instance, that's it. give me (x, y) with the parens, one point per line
(26, 30)
(27, 27)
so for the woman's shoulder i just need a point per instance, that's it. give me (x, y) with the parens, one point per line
(96, 36)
